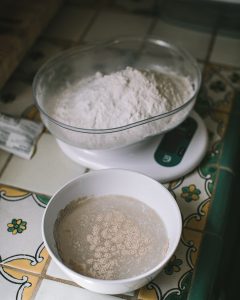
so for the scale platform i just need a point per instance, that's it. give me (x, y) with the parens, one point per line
(164, 157)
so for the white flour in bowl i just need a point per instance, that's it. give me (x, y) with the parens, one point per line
(121, 98)
(118, 99)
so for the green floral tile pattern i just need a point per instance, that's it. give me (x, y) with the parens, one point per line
(174, 265)
(17, 226)
(190, 193)
(216, 91)
(231, 75)
(175, 280)
(20, 229)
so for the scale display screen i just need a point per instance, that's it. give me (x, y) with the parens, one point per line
(174, 144)
(171, 141)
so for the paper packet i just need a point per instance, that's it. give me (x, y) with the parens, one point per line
(18, 135)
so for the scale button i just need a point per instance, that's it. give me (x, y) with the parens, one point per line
(167, 158)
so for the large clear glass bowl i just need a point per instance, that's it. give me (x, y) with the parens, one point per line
(72, 65)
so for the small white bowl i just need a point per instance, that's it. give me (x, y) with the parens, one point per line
(114, 182)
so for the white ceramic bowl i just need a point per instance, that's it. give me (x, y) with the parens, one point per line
(117, 182)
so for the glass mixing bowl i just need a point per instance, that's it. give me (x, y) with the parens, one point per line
(75, 64)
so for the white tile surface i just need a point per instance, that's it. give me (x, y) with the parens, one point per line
(52, 290)
(109, 24)
(69, 24)
(226, 50)
(54, 271)
(3, 158)
(22, 98)
(46, 172)
(196, 42)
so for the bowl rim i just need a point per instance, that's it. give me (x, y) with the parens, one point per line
(177, 219)
(117, 40)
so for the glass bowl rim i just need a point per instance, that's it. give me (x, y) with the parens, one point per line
(80, 49)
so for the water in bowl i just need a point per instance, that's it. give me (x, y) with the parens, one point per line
(110, 237)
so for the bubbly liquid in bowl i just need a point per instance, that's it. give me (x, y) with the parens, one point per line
(110, 237)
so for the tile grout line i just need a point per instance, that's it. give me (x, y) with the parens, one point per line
(41, 277)
(159, 6)
(34, 293)
(206, 61)
(195, 270)
(5, 165)
(89, 25)
(212, 41)
(194, 229)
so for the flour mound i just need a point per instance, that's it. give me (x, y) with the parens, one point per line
(121, 98)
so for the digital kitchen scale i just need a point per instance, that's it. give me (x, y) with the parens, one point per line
(164, 157)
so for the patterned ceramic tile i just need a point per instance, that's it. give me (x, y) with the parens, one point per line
(16, 97)
(196, 42)
(51, 290)
(75, 21)
(233, 76)
(193, 196)
(226, 51)
(220, 204)
(20, 216)
(206, 173)
(16, 284)
(194, 191)
(109, 25)
(216, 124)
(46, 172)
(214, 106)
(216, 92)
(230, 74)
(174, 281)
